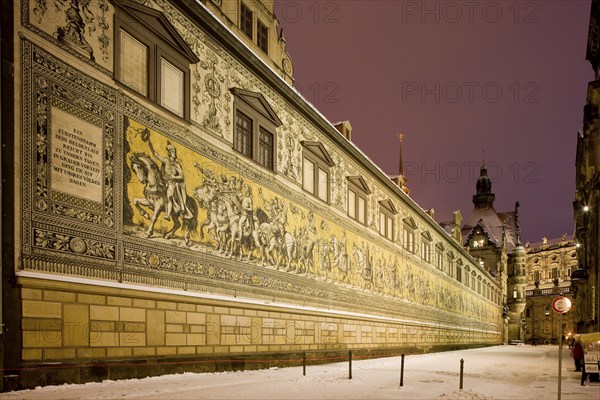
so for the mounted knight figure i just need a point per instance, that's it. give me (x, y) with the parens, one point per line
(164, 190)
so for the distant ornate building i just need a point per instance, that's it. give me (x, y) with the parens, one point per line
(171, 203)
(586, 206)
(494, 239)
(549, 265)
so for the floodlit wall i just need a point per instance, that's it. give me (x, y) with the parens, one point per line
(249, 260)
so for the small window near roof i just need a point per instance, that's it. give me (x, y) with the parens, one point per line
(246, 18)
(262, 37)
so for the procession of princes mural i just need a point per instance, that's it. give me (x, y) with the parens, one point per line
(192, 202)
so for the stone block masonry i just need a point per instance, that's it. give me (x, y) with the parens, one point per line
(98, 331)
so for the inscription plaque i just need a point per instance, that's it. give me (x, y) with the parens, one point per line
(76, 156)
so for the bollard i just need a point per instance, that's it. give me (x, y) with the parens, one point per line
(304, 363)
(462, 363)
(402, 371)
(350, 364)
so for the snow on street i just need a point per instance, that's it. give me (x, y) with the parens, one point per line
(502, 372)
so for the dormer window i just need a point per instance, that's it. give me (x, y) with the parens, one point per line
(451, 260)
(478, 242)
(316, 163)
(151, 58)
(459, 269)
(408, 235)
(386, 219)
(357, 198)
(439, 255)
(255, 125)
(426, 240)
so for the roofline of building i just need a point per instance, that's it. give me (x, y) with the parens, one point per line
(205, 19)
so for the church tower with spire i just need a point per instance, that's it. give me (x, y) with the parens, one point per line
(494, 239)
(484, 198)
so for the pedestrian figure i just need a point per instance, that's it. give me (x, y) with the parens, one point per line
(577, 354)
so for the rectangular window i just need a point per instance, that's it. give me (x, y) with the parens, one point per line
(357, 199)
(362, 209)
(262, 37)
(467, 279)
(409, 240)
(246, 20)
(265, 148)
(536, 275)
(134, 63)
(458, 273)
(323, 185)
(153, 65)
(315, 169)
(308, 176)
(426, 251)
(440, 260)
(172, 89)
(243, 134)
(351, 204)
(255, 128)
(386, 225)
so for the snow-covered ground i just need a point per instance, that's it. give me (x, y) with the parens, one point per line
(502, 372)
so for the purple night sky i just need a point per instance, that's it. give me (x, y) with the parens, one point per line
(509, 77)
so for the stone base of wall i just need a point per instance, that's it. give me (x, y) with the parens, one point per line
(41, 374)
(74, 332)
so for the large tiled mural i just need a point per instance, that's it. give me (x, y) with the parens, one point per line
(178, 197)
(114, 190)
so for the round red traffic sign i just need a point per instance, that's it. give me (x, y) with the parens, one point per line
(561, 304)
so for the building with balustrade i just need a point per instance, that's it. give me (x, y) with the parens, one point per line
(548, 268)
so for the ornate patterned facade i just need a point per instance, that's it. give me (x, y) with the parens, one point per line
(169, 197)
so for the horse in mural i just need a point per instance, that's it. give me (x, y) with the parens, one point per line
(341, 259)
(277, 244)
(218, 218)
(155, 200)
(222, 223)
